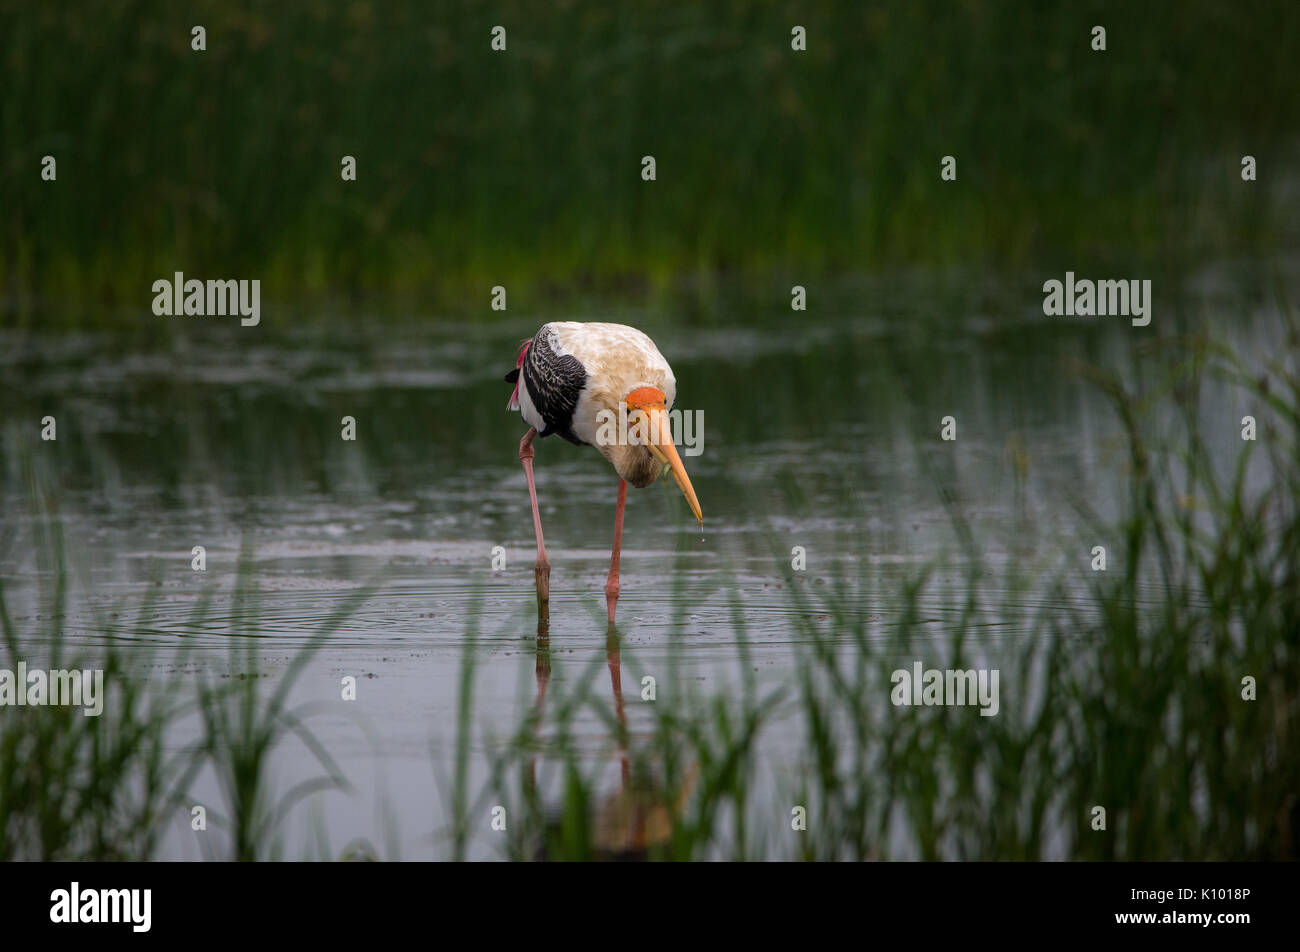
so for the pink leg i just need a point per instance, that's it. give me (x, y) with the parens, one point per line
(542, 570)
(611, 583)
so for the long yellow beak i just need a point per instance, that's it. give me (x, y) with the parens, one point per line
(662, 448)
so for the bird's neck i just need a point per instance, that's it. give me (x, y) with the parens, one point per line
(633, 463)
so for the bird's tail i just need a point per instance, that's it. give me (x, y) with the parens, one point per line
(513, 376)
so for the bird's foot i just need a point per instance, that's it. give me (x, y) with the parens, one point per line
(611, 597)
(542, 572)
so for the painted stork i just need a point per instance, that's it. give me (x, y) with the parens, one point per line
(578, 380)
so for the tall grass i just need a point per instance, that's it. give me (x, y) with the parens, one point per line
(242, 729)
(523, 168)
(80, 787)
(108, 787)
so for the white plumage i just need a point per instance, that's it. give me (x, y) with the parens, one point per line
(618, 359)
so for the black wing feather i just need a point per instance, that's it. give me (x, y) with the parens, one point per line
(554, 383)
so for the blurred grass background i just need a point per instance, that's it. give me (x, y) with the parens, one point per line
(522, 168)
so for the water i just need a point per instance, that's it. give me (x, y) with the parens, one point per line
(821, 430)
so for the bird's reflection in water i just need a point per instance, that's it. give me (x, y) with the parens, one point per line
(635, 821)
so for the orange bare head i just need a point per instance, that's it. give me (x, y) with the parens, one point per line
(645, 398)
(650, 401)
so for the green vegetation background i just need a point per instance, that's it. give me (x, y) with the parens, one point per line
(523, 168)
